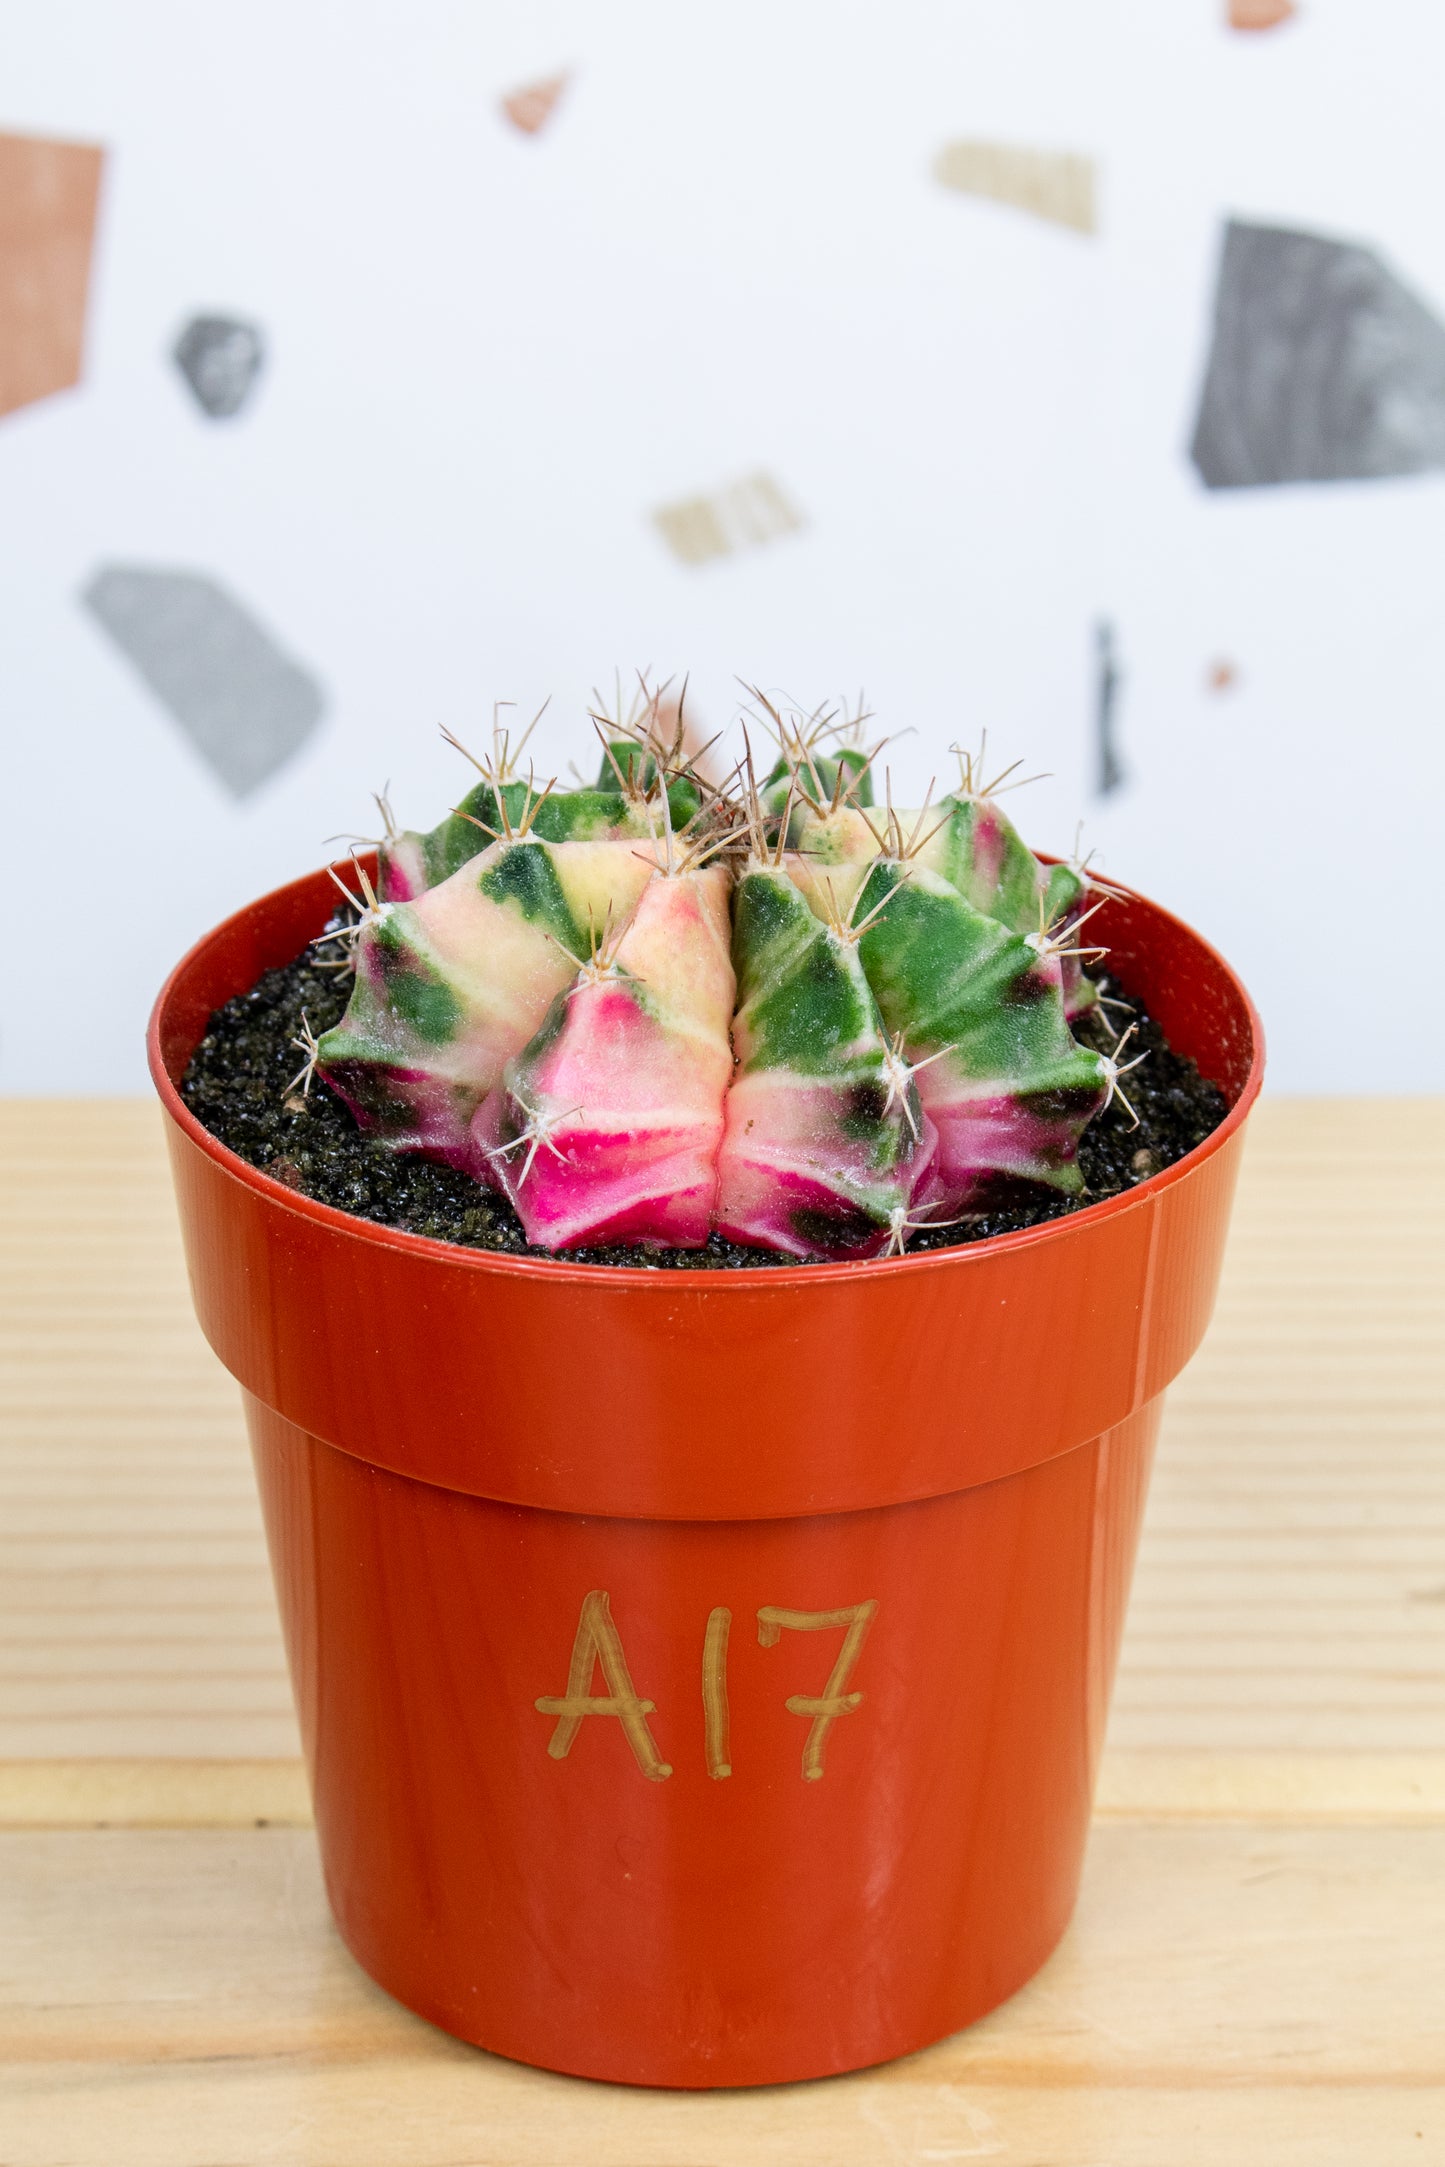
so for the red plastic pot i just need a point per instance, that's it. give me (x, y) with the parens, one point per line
(702, 1676)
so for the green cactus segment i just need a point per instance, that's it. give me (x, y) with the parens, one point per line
(606, 1126)
(629, 770)
(411, 863)
(817, 776)
(978, 850)
(824, 1145)
(969, 843)
(449, 986)
(1010, 1091)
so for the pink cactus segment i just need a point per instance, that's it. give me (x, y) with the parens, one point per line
(992, 831)
(787, 1185)
(606, 1128)
(401, 868)
(988, 1146)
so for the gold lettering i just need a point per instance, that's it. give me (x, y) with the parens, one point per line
(715, 1693)
(598, 1641)
(834, 1700)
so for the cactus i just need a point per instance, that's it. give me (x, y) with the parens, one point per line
(606, 1126)
(980, 1009)
(451, 985)
(826, 1143)
(598, 1002)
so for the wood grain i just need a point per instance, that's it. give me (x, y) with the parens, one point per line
(1286, 1647)
(1226, 1994)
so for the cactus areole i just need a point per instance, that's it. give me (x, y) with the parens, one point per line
(703, 1673)
(649, 1008)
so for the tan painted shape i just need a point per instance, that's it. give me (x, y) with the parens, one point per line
(743, 515)
(48, 196)
(532, 106)
(1055, 185)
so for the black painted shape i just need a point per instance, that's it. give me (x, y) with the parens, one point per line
(1323, 366)
(220, 358)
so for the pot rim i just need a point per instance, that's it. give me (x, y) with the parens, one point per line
(277, 1195)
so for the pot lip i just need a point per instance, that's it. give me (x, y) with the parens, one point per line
(745, 1278)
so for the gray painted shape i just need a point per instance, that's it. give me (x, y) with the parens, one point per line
(245, 706)
(1323, 366)
(220, 358)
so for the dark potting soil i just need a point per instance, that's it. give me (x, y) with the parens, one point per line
(237, 1081)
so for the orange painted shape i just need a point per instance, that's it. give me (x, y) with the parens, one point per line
(48, 196)
(1260, 14)
(514, 1508)
(531, 107)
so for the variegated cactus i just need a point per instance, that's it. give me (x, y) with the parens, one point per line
(648, 1010)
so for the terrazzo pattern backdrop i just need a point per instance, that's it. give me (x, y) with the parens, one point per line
(1074, 370)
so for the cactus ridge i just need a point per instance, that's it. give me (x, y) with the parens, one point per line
(821, 1146)
(627, 1077)
(648, 1007)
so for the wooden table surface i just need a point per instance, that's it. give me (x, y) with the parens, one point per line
(1257, 1970)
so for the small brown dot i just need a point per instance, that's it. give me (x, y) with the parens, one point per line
(1142, 1163)
(1222, 675)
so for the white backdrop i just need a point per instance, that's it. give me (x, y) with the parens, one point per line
(491, 355)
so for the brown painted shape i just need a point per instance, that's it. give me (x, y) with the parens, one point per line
(48, 196)
(531, 107)
(1260, 14)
